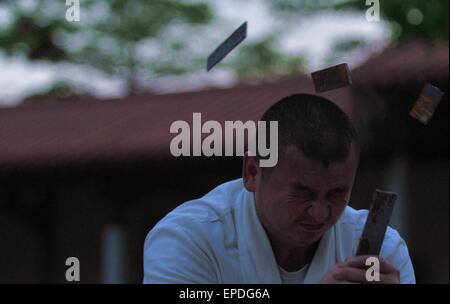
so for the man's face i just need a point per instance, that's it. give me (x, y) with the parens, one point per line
(300, 199)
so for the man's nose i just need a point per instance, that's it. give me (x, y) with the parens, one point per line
(319, 211)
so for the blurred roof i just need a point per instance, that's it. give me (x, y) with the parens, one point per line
(411, 64)
(137, 127)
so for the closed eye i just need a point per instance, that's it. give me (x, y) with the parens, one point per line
(338, 193)
(303, 193)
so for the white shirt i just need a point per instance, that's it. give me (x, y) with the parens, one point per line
(293, 277)
(218, 238)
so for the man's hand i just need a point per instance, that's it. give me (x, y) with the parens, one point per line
(353, 271)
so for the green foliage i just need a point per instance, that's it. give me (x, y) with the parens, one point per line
(107, 37)
(112, 34)
(400, 14)
(435, 19)
(60, 90)
(261, 58)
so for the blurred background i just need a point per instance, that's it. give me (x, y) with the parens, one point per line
(86, 106)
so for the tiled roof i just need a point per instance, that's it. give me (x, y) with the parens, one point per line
(137, 127)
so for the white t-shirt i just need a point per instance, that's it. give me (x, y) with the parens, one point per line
(294, 277)
(218, 238)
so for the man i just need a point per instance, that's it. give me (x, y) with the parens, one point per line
(285, 224)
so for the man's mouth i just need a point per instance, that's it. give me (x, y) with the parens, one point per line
(312, 227)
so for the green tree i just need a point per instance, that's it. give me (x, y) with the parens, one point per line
(134, 40)
(108, 36)
(412, 19)
(261, 59)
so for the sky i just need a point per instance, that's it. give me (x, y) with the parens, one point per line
(312, 36)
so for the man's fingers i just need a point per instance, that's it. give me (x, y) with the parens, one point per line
(386, 267)
(389, 279)
(388, 273)
(360, 262)
(354, 271)
(357, 261)
(351, 274)
(348, 282)
(358, 275)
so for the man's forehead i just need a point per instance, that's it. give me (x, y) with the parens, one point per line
(320, 183)
(298, 170)
(293, 158)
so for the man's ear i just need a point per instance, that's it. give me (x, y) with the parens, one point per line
(251, 172)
